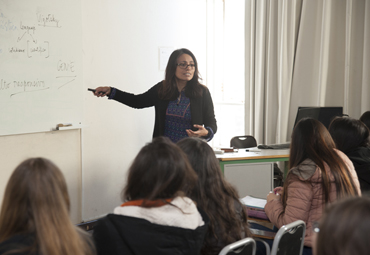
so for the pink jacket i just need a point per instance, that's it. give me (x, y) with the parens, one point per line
(305, 201)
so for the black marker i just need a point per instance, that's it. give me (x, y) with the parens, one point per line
(93, 90)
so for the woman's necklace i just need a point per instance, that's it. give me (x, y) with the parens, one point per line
(179, 97)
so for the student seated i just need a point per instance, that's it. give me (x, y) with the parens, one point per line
(319, 174)
(217, 197)
(156, 217)
(351, 136)
(34, 216)
(344, 228)
(365, 118)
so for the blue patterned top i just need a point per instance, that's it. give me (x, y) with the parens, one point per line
(178, 118)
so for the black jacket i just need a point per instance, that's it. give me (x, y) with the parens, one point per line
(20, 241)
(201, 108)
(360, 158)
(118, 234)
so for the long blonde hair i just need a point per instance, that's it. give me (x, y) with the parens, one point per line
(36, 202)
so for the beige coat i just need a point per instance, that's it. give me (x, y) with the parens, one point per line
(305, 201)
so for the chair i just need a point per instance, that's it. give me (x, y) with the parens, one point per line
(246, 246)
(289, 239)
(245, 141)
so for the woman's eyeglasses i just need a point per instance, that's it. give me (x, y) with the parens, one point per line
(185, 65)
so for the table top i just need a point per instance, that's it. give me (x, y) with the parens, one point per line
(242, 154)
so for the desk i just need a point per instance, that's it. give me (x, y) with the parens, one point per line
(243, 156)
(251, 173)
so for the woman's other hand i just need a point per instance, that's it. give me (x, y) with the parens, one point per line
(272, 196)
(279, 190)
(202, 131)
(102, 91)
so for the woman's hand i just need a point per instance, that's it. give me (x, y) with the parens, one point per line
(276, 194)
(271, 196)
(102, 91)
(279, 190)
(202, 131)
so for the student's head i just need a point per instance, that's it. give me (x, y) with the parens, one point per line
(365, 118)
(344, 228)
(309, 138)
(35, 190)
(204, 162)
(159, 171)
(36, 201)
(349, 134)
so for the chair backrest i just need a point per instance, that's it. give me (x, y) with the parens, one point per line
(245, 141)
(289, 239)
(246, 246)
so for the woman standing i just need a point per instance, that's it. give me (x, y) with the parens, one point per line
(217, 197)
(319, 174)
(34, 218)
(183, 106)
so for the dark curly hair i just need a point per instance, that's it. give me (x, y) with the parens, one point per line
(217, 197)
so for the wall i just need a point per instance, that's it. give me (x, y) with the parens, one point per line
(62, 147)
(121, 41)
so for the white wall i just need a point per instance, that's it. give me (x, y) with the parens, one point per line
(62, 147)
(121, 40)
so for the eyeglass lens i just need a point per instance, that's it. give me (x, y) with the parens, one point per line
(185, 65)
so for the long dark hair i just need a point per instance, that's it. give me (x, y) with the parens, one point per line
(168, 90)
(311, 140)
(36, 202)
(159, 171)
(214, 195)
(349, 133)
(344, 228)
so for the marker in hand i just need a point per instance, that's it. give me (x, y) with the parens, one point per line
(93, 90)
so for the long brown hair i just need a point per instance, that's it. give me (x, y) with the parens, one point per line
(311, 140)
(36, 202)
(344, 228)
(159, 171)
(214, 195)
(168, 90)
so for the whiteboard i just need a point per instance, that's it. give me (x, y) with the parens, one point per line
(40, 65)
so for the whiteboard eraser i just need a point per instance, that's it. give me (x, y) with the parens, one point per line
(64, 125)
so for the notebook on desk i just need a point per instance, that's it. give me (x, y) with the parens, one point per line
(255, 207)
